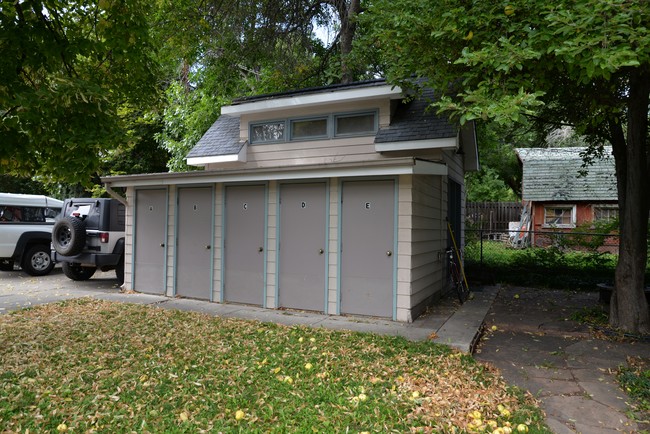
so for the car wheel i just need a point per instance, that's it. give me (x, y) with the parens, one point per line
(77, 272)
(69, 236)
(119, 271)
(37, 261)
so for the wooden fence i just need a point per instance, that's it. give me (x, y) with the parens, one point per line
(492, 216)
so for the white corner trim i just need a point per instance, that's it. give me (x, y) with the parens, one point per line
(240, 157)
(410, 145)
(300, 101)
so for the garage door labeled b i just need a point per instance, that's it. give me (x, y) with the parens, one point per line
(194, 242)
(302, 246)
(367, 243)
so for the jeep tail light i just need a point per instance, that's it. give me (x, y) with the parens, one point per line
(103, 237)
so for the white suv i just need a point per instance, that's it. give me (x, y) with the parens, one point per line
(26, 231)
(89, 234)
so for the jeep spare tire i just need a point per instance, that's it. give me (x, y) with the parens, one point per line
(69, 236)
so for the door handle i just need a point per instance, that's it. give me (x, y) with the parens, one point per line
(389, 253)
(208, 247)
(162, 244)
(321, 251)
(260, 250)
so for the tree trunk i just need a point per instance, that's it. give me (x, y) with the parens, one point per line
(629, 309)
(347, 14)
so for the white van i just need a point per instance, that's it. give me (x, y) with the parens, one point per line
(26, 222)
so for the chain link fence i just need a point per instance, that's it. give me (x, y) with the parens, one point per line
(550, 258)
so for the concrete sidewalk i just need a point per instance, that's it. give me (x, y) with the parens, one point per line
(447, 323)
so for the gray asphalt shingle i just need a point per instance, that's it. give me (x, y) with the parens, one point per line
(553, 174)
(222, 138)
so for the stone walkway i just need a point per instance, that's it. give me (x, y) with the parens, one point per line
(537, 347)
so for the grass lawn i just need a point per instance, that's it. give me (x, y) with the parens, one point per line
(95, 366)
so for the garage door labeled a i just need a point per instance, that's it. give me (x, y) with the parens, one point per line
(367, 243)
(150, 238)
(303, 223)
(194, 243)
(244, 244)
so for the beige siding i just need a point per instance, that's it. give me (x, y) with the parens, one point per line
(217, 242)
(404, 229)
(128, 240)
(171, 240)
(271, 245)
(333, 248)
(421, 243)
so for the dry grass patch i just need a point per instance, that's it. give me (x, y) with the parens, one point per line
(96, 366)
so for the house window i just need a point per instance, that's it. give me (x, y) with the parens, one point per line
(559, 216)
(324, 127)
(267, 132)
(605, 213)
(353, 124)
(309, 129)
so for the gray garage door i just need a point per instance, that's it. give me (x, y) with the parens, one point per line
(194, 242)
(367, 243)
(150, 238)
(244, 244)
(303, 223)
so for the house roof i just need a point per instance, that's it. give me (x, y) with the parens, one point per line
(414, 121)
(222, 138)
(411, 122)
(553, 174)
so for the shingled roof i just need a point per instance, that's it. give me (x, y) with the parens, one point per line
(222, 138)
(553, 174)
(413, 121)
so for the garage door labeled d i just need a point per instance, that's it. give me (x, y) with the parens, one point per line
(194, 243)
(302, 246)
(367, 243)
(244, 244)
(150, 238)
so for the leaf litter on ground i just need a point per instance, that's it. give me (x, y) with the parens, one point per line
(98, 366)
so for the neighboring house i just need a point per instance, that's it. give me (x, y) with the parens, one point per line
(330, 199)
(558, 196)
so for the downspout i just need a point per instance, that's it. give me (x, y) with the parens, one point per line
(115, 195)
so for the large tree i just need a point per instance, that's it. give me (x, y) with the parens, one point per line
(70, 72)
(216, 50)
(583, 63)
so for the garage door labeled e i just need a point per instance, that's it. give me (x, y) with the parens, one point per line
(194, 243)
(244, 244)
(150, 238)
(302, 246)
(367, 244)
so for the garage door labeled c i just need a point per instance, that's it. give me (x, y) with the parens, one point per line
(367, 243)
(244, 244)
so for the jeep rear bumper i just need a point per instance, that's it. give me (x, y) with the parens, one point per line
(96, 260)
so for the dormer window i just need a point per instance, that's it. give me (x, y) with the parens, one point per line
(305, 129)
(267, 132)
(353, 124)
(315, 128)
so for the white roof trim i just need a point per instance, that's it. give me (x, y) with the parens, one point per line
(240, 157)
(404, 167)
(411, 145)
(300, 101)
